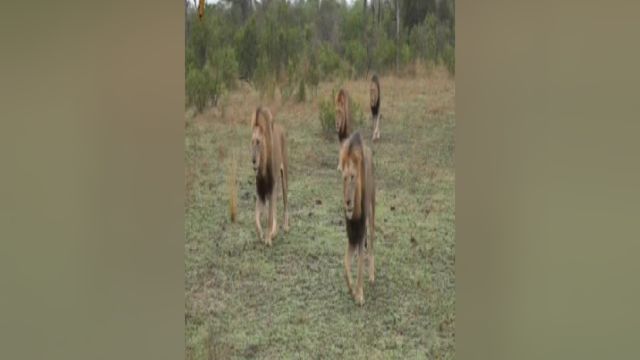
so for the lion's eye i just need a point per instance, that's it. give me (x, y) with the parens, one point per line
(257, 142)
(352, 177)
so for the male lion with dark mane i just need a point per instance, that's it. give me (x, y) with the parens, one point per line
(343, 115)
(359, 193)
(270, 163)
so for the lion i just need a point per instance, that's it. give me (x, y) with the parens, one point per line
(270, 163)
(343, 115)
(359, 192)
(374, 97)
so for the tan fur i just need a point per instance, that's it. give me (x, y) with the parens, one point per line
(356, 166)
(269, 155)
(343, 117)
(200, 9)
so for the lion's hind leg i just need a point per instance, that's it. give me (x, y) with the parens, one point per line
(273, 225)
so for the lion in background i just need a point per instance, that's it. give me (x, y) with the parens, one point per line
(270, 163)
(374, 97)
(359, 194)
(343, 115)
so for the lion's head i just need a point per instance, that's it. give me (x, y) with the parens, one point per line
(260, 140)
(351, 166)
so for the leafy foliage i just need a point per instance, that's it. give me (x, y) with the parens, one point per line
(280, 43)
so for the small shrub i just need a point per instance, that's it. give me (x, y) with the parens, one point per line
(226, 67)
(263, 79)
(329, 61)
(449, 59)
(313, 74)
(357, 115)
(201, 88)
(356, 54)
(327, 116)
(301, 92)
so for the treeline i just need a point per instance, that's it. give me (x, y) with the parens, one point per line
(294, 44)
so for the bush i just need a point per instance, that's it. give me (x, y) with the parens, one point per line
(356, 54)
(302, 96)
(201, 88)
(263, 78)
(431, 23)
(449, 59)
(247, 45)
(313, 74)
(327, 116)
(384, 50)
(357, 115)
(225, 67)
(405, 54)
(329, 61)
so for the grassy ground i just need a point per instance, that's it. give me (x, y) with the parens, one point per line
(243, 299)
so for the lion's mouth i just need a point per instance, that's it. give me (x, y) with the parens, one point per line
(349, 212)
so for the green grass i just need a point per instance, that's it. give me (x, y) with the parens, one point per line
(245, 300)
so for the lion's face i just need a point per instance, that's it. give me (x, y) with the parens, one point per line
(258, 149)
(351, 189)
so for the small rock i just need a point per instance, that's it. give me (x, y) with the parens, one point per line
(393, 208)
(318, 202)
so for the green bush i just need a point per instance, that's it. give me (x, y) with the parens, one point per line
(356, 54)
(431, 23)
(263, 78)
(225, 67)
(313, 73)
(385, 53)
(201, 88)
(449, 59)
(418, 38)
(302, 96)
(247, 49)
(405, 54)
(357, 115)
(327, 117)
(329, 61)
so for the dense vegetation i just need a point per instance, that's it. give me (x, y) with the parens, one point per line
(291, 45)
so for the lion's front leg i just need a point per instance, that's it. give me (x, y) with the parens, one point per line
(359, 296)
(259, 232)
(376, 128)
(273, 226)
(348, 254)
